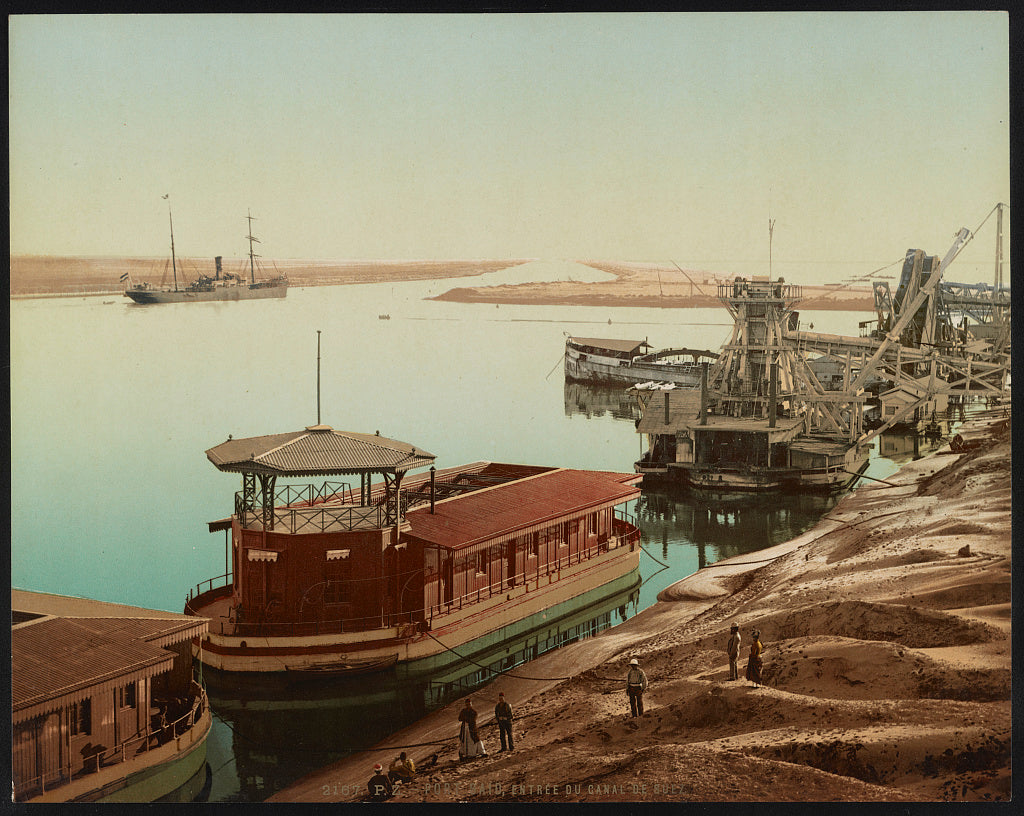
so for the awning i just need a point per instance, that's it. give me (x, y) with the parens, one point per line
(334, 555)
(262, 555)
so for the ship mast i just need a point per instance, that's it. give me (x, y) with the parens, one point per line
(174, 265)
(252, 255)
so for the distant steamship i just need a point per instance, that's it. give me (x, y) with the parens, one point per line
(219, 287)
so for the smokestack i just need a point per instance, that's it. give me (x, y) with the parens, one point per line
(432, 496)
(703, 393)
(772, 396)
(217, 261)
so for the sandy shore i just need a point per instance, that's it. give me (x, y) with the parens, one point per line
(887, 671)
(657, 286)
(47, 276)
(634, 284)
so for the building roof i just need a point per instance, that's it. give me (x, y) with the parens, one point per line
(318, 450)
(514, 507)
(611, 345)
(66, 649)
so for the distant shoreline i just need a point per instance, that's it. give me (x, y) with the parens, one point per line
(633, 284)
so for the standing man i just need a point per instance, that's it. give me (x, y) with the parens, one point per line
(733, 650)
(636, 685)
(503, 714)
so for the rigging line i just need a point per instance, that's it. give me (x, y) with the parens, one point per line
(504, 673)
(651, 556)
(552, 371)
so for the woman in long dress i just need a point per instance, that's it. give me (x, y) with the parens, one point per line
(470, 744)
(754, 661)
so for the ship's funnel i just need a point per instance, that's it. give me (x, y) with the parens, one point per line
(217, 262)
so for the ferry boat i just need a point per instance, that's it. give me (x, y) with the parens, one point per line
(104, 707)
(423, 570)
(206, 288)
(591, 359)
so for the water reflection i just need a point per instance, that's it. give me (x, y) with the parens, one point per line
(714, 529)
(281, 730)
(598, 400)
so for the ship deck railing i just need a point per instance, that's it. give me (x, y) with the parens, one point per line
(157, 733)
(629, 536)
(324, 518)
(216, 604)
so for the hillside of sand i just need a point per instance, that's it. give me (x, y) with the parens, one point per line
(886, 632)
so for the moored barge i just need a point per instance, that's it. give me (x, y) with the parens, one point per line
(591, 359)
(428, 569)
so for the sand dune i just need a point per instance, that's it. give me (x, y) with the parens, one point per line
(887, 671)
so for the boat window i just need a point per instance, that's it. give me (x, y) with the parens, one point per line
(81, 718)
(337, 575)
(126, 696)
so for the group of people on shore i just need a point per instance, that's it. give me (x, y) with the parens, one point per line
(636, 679)
(382, 786)
(402, 770)
(754, 660)
(470, 744)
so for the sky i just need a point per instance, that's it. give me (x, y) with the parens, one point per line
(645, 137)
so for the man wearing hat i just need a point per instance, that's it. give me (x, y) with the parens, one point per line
(380, 786)
(733, 650)
(503, 716)
(636, 685)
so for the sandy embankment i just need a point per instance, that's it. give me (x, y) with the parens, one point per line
(47, 276)
(634, 284)
(887, 671)
(659, 286)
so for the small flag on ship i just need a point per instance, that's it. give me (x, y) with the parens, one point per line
(124, 277)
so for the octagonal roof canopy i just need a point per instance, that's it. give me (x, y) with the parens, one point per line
(319, 450)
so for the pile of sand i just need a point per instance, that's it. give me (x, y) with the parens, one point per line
(886, 670)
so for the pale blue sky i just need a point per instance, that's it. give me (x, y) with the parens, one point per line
(621, 136)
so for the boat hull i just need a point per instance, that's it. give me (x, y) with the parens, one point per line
(220, 293)
(713, 480)
(449, 637)
(593, 368)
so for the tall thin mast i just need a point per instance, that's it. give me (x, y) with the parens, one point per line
(318, 376)
(252, 255)
(174, 264)
(999, 248)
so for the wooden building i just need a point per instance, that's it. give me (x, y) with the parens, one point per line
(104, 707)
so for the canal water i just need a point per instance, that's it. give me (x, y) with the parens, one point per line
(114, 404)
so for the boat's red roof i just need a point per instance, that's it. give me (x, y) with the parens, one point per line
(504, 509)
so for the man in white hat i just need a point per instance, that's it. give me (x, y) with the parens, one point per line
(379, 786)
(636, 685)
(733, 650)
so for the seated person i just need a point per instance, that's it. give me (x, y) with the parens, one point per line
(379, 786)
(402, 769)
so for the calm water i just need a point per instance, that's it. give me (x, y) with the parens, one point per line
(113, 406)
